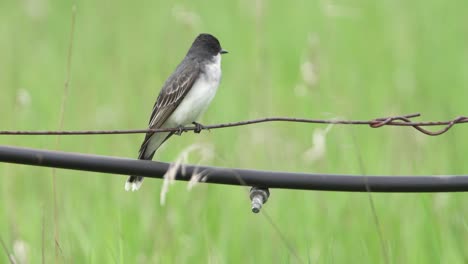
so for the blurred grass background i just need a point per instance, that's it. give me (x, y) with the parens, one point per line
(319, 59)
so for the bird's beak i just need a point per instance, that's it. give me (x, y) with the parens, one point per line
(223, 51)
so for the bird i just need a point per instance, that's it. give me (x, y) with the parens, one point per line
(183, 98)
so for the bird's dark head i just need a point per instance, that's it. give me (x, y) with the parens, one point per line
(206, 45)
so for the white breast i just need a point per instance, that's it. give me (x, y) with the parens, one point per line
(199, 97)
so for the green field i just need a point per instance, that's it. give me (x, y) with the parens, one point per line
(315, 59)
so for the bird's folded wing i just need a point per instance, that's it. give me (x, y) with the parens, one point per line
(172, 93)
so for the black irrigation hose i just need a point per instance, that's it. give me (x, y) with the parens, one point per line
(270, 179)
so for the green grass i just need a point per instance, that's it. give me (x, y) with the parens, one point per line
(372, 59)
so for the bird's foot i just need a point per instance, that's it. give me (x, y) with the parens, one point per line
(180, 130)
(198, 127)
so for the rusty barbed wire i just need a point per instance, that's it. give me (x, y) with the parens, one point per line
(403, 120)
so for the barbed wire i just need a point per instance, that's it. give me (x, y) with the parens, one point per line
(403, 120)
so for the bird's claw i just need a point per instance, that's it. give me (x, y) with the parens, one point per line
(180, 130)
(198, 127)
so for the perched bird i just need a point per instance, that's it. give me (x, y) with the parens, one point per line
(184, 97)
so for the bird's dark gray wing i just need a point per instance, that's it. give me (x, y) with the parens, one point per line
(172, 93)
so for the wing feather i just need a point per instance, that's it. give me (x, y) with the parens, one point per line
(172, 93)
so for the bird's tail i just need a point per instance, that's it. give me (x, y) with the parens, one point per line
(151, 143)
(134, 182)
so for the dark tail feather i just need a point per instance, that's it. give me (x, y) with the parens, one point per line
(134, 182)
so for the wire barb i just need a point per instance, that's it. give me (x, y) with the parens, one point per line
(403, 120)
